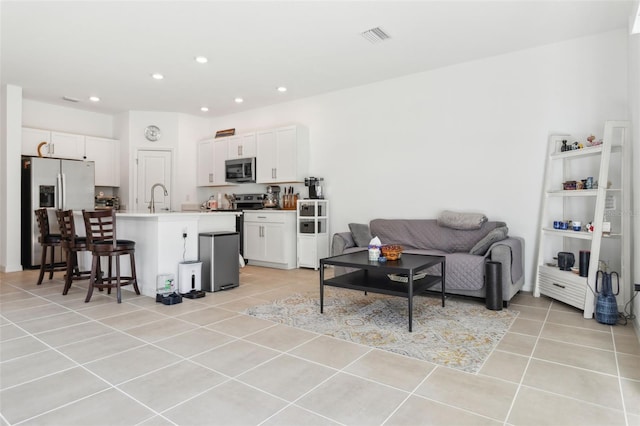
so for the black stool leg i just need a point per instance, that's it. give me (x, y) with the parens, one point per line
(43, 264)
(118, 292)
(69, 273)
(94, 271)
(53, 259)
(134, 277)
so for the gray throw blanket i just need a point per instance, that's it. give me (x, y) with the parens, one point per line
(459, 220)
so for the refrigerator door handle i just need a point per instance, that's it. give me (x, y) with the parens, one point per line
(59, 189)
(63, 206)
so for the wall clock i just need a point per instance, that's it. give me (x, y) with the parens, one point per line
(152, 133)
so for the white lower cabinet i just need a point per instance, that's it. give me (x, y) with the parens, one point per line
(270, 238)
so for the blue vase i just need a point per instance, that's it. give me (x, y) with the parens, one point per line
(606, 304)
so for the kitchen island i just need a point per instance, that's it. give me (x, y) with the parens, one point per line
(160, 245)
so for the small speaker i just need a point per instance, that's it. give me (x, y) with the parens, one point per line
(583, 264)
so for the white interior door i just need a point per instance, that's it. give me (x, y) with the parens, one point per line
(153, 167)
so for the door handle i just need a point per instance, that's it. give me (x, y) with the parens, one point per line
(59, 189)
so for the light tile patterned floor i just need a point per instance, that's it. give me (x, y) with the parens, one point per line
(66, 362)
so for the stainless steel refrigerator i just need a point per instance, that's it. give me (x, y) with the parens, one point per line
(54, 184)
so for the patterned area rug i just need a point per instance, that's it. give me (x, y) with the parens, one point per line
(461, 335)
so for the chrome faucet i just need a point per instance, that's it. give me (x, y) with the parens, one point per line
(152, 203)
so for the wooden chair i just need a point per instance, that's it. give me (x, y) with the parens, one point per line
(72, 244)
(49, 242)
(102, 241)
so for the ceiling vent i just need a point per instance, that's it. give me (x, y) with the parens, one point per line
(375, 35)
(70, 99)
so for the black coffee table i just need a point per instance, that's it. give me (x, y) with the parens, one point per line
(372, 275)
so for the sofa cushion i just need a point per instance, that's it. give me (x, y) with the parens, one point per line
(464, 271)
(460, 220)
(361, 234)
(494, 236)
(425, 234)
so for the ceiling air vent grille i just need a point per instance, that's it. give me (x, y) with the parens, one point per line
(375, 35)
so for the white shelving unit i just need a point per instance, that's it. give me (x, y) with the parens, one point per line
(609, 202)
(313, 232)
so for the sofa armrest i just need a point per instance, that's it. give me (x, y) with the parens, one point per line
(341, 242)
(510, 253)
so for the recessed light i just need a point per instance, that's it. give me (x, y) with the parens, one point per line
(94, 99)
(157, 76)
(201, 59)
(239, 100)
(204, 109)
(282, 89)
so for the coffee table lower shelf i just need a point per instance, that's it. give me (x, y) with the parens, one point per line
(367, 281)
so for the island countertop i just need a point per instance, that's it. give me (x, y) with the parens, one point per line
(163, 240)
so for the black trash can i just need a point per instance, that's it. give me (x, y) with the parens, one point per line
(493, 283)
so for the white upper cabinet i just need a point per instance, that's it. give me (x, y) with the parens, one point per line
(106, 155)
(242, 146)
(67, 145)
(104, 152)
(282, 154)
(31, 140)
(211, 157)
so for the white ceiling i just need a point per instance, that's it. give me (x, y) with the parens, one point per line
(109, 49)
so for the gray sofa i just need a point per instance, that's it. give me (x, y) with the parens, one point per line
(467, 250)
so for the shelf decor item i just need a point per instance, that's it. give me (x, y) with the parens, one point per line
(391, 251)
(606, 304)
(224, 133)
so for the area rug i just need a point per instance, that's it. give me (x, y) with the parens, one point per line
(461, 335)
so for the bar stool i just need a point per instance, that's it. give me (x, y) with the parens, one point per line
(49, 242)
(72, 244)
(102, 241)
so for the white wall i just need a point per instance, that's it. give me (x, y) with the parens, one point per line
(10, 137)
(469, 137)
(634, 108)
(179, 135)
(41, 115)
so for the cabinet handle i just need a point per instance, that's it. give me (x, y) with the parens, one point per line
(210, 177)
(239, 149)
(559, 285)
(262, 217)
(273, 173)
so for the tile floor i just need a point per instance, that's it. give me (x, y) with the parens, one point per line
(64, 362)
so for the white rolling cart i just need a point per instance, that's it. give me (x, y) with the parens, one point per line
(312, 218)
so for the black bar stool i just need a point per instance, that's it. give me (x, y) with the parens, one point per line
(72, 244)
(101, 240)
(49, 242)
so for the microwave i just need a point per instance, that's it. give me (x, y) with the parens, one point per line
(242, 170)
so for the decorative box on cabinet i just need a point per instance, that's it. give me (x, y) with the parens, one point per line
(270, 238)
(608, 202)
(313, 232)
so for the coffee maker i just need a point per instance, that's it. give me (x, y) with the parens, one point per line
(315, 187)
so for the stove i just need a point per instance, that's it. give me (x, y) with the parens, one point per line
(247, 201)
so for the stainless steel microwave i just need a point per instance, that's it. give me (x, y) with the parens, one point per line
(242, 170)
